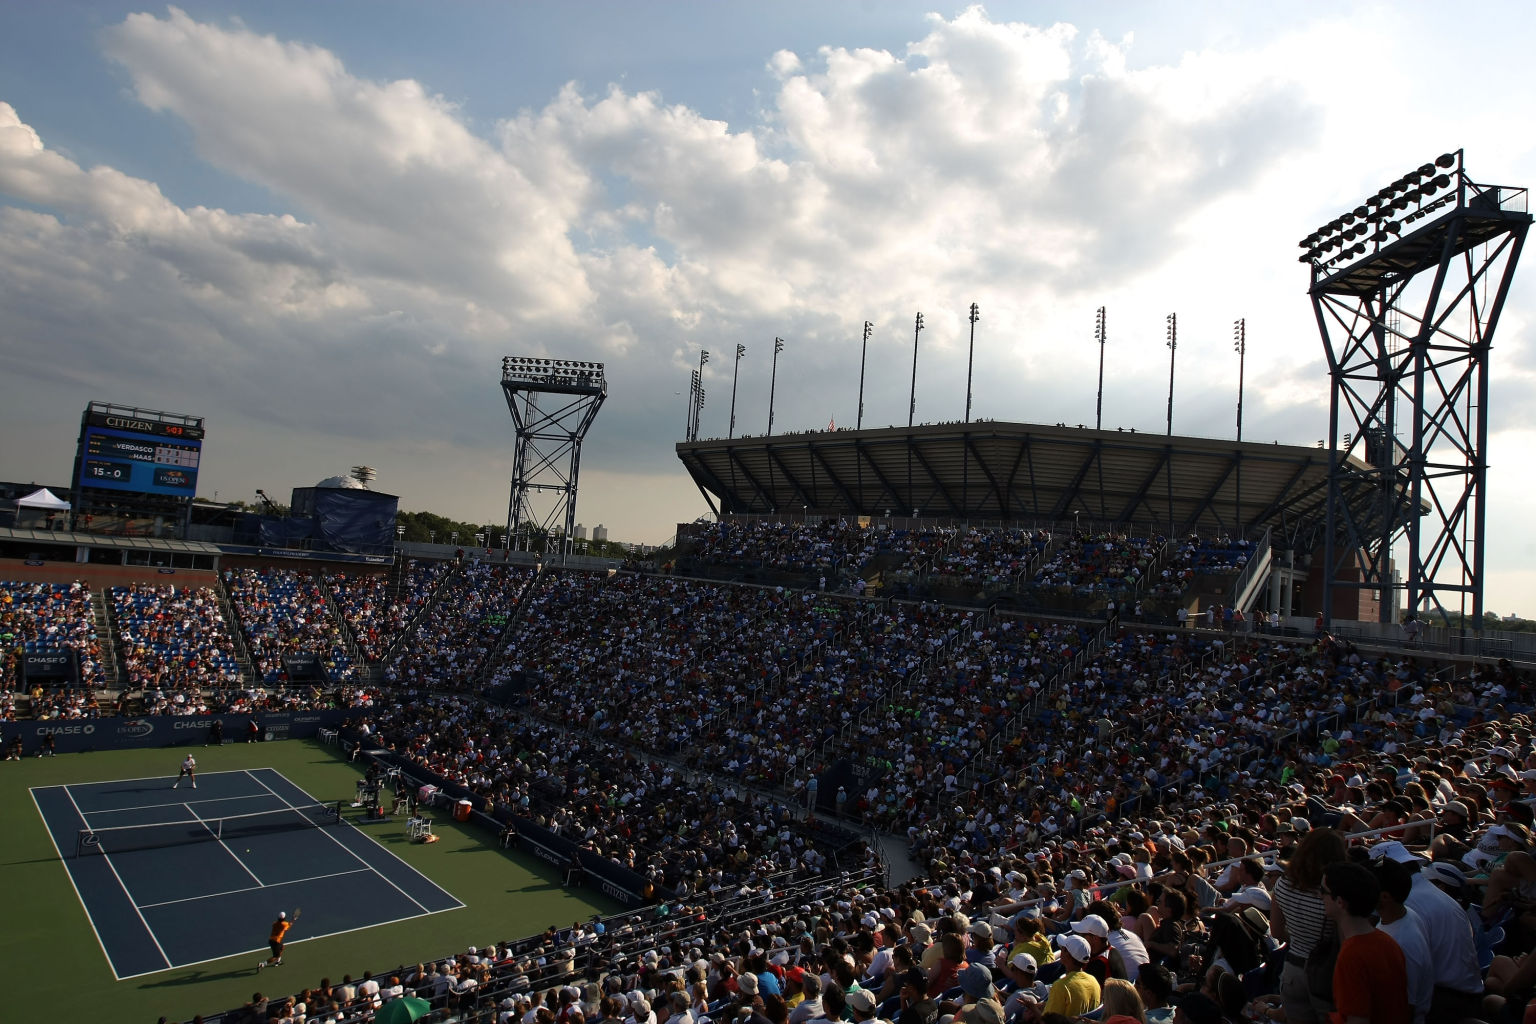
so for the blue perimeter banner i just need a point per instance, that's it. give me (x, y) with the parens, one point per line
(75, 735)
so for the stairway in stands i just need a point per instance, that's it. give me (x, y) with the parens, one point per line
(113, 671)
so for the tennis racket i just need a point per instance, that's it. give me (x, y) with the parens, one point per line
(296, 912)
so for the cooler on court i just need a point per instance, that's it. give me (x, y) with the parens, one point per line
(461, 810)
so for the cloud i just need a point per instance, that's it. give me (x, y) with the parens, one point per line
(1040, 170)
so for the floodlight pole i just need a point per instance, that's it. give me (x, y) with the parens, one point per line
(1101, 335)
(773, 380)
(1173, 351)
(912, 403)
(862, 353)
(698, 397)
(741, 350)
(970, 361)
(553, 402)
(1409, 369)
(1240, 345)
(693, 398)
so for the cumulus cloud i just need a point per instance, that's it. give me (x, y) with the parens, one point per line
(1041, 170)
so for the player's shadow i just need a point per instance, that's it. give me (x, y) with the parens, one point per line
(197, 978)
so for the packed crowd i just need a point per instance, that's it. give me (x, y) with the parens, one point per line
(1105, 563)
(1318, 898)
(42, 617)
(173, 637)
(379, 607)
(462, 628)
(283, 612)
(991, 559)
(1163, 808)
(722, 677)
(687, 833)
(835, 551)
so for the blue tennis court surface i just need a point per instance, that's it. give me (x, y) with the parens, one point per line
(191, 879)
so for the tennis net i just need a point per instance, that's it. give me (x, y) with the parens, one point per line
(157, 835)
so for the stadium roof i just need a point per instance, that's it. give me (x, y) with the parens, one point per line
(1019, 472)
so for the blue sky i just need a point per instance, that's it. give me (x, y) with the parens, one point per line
(321, 225)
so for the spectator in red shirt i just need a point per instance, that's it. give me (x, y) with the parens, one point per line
(1370, 977)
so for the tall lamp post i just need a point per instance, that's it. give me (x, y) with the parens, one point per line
(696, 410)
(862, 353)
(1240, 346)
(1100, 335)
(741, 350)
(1173, 350)
(970, 360)
(912, 403)
(773, 380)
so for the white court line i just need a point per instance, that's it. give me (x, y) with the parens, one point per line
(152, 778)
(295, 942)
(221, 842)
(253, 888)
(403, 862)
(350, 852)
(156, 807)
(71, 876)
(113, 867)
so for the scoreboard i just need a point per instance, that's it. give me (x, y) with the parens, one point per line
(139, 454)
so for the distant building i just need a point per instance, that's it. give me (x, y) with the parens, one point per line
(581, 532)
(600, 533)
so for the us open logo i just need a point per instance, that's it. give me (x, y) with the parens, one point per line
(137, 728)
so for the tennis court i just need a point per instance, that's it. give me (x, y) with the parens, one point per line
(177, 877)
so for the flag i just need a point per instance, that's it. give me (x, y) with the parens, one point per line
(832, 424)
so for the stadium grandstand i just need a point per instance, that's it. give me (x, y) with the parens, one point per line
(885, 738)
(985, 722)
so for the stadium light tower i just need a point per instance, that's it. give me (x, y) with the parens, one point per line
(862, 353)
(553, 402)
(1407, 289)
(1173, 351)
(1240, 346)
(696, 399)
(970, 360)
(1100, 335)
(773, 380)
(741, 350)
(912, 404)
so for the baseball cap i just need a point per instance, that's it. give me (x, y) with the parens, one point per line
(1093, 924)
(1025, 962)
(860, 999)
(985, 1011)
(1394, 850)
(1446, 874)
(976, 981)
(1075, 946)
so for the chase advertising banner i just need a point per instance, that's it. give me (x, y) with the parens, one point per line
(80, 734)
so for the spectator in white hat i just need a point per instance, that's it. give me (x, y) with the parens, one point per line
(1076, 991)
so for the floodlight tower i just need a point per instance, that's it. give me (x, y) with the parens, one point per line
(547, 457)
(1407, 289)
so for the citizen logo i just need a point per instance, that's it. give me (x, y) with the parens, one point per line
(122, 424)
(622, 895)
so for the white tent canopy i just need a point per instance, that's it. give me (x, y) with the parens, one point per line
(43, 499)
